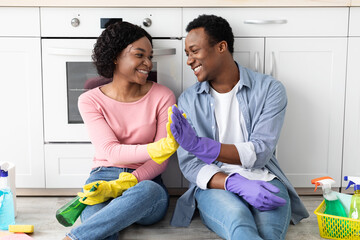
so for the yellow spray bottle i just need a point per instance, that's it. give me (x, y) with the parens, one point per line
(355, 199)
(333, 204)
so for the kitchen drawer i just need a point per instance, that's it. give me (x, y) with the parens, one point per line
(165, 22)
(67, 165)
(354, 27)
(19, 21)
(277, 22)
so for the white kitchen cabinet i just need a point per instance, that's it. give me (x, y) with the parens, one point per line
(21, 124)
(351, 163)
(313, 71)
(19, 21)
(308, 55)
(68, 165)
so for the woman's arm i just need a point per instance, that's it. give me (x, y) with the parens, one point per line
(103, 135)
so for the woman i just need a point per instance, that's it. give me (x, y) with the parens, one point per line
(127, 120)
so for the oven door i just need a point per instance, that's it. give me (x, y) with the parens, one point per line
(68, 71)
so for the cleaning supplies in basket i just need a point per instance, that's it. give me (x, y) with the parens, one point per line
(7, 214)
(333, 204)
(355, 199)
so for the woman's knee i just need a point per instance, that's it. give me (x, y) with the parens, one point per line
(150, 189)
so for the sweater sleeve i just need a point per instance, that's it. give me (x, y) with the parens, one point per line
(151, 169)
(104, 139)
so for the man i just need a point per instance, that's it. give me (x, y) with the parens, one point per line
(234, 118)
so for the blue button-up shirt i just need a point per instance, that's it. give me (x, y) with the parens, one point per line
(262, 101)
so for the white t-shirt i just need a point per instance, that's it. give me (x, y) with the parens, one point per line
(232, 130)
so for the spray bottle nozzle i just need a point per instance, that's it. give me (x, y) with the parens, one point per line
(350, 183)
(353, 181)
(326, 182)
(4, 166)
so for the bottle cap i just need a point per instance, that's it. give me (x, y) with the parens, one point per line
(3, 173)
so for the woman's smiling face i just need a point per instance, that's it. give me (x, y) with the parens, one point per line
(134, 62)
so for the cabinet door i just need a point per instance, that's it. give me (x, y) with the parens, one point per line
(21, 124)
(68, 165)
(248, 52)
(351, 163)
(313, 71)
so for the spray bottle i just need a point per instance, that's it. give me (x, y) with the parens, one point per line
(67, 214)
(7, 213)
(355, 199)
(333, 204)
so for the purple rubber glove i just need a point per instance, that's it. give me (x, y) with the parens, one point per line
(257, 193)
(203, 148)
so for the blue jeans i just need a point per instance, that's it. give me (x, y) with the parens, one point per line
(231, 217)
(146, 203)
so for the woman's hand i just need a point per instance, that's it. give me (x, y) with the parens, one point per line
(161, 150)
(101, 191)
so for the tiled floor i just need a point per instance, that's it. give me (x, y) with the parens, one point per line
(40, 212)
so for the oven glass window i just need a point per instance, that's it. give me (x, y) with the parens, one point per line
(82, 76)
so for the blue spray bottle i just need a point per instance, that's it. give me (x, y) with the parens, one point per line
(7, 214)
(355, 199)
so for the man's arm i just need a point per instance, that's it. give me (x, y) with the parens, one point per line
(217, 181)
(229, 154)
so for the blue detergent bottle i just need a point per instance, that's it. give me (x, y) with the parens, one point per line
(7, 213)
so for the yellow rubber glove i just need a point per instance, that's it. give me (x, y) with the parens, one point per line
(107, 189)
(161, 150)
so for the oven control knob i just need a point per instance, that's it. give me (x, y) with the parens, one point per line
(75, 22)
(147, 22)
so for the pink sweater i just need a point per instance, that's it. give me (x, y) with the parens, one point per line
(120, 131)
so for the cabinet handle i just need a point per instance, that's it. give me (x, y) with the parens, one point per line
(272, 65)
(256, 21)
(164, 52)
(88, 52)
(257, 61)
(70, 51)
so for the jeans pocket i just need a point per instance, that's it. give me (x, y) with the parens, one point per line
(95, 170)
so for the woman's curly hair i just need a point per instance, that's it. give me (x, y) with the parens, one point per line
(112, 41)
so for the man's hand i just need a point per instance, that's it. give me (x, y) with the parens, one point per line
(205, 149)
(257, 193)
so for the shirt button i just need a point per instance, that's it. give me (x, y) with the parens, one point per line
(213, 127)
(211, 104)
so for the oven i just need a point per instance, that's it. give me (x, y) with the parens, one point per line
(68, 38)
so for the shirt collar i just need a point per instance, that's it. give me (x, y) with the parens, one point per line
(244, 81)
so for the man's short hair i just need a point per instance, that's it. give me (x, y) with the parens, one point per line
(217, 28)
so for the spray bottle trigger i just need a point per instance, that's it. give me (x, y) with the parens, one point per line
(316, 185)
(350, 183)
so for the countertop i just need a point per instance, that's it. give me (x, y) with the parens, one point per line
(179, 3)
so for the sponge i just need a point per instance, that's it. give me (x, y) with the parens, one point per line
(21, 228)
